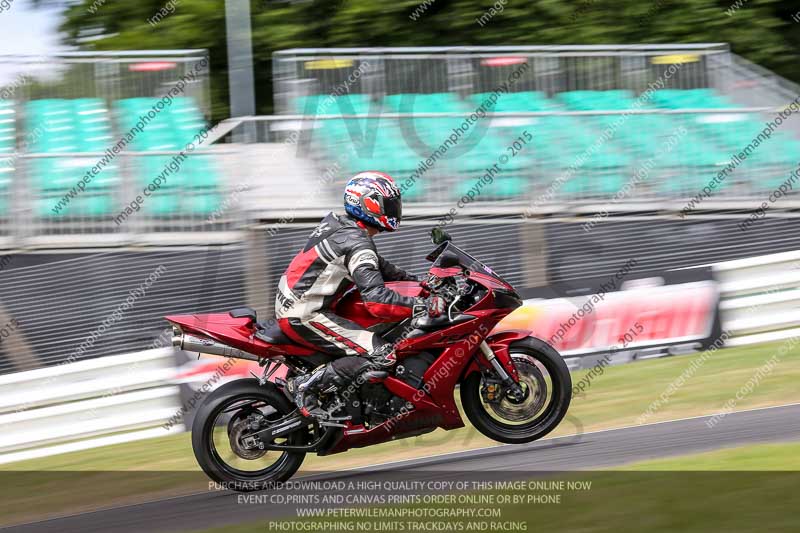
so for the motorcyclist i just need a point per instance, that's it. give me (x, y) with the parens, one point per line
(340, 252)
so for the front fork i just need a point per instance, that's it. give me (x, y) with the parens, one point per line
(503, 365)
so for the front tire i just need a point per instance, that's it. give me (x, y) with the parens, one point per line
(219, 422)
(548, 384)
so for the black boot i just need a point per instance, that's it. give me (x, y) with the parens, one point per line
(337, 376)
(304, 389)
(383, 357)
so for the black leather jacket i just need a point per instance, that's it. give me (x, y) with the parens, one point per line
(338, 253)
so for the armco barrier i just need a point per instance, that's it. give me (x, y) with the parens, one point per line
(760, 297)
(86, 404)
(128, 397)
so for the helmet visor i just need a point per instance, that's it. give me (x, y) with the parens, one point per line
(393, 207)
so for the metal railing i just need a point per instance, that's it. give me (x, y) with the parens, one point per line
(108, 75)
(42, 94)
(131, 209)
(474, 69)
(282, 159)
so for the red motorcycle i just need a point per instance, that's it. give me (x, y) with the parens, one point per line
(514, 388)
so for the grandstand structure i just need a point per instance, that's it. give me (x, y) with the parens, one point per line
(544, 129)
(82, 135)
(599, 117)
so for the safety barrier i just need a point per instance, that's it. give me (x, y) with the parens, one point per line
(760, 297)
(86, 404)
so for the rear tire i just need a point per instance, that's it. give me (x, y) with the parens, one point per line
(541, 424)
(203, 437)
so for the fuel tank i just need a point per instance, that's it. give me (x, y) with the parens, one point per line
(351, 307)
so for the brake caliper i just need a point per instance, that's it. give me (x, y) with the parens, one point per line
(491, 392)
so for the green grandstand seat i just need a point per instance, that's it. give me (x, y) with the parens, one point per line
(500, 188)
(558, 141)
(172, 129)
(184, 114)
(416, 191)
(60, 126)
(326, 104)
(50, 175)
(349, 103)
(85, 205)
(689, 98)
(597, 100)
(200, 204)
(162, 203)
(199, 172)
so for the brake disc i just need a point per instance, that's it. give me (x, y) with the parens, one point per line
(535, 394)
(235, 433)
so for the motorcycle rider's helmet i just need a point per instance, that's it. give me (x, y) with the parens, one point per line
(373, 198)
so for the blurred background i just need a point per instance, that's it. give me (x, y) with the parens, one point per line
(170, 157)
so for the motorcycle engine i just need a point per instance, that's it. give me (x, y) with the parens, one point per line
(379, 404)
(373, 403)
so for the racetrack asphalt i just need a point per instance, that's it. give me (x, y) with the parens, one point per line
(601, 449)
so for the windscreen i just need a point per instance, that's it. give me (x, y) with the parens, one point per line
(465, 260)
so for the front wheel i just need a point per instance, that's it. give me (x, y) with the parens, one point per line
(220, 436)
(547, 386)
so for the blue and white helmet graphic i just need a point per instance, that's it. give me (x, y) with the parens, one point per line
(373, 198)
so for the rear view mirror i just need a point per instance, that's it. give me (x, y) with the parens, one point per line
(439, 235)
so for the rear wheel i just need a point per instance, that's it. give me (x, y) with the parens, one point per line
(546, 383)
(221, 426)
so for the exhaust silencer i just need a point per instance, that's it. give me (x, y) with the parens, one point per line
(192, 343)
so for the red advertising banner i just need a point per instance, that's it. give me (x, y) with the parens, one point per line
(652, 311)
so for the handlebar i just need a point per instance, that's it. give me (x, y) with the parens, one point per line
(451, 295)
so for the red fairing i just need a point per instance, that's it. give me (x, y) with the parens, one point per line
(351, 306)
(499, 343)
(489, 282)
(445, 272)
(388, 312)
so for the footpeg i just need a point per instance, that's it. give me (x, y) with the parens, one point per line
(310, 381)
(332, 424)
(339, 418)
